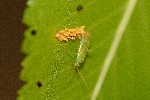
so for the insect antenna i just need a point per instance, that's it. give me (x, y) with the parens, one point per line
(77, 68)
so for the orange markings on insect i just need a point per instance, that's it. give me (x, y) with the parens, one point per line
(70, 34)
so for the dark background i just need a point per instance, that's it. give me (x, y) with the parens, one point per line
(11, 35)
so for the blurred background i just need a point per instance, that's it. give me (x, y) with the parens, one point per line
(11, 35)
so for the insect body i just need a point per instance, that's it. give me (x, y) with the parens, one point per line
(72, 34)
(84, 45)
(83, 49)
(77, 33)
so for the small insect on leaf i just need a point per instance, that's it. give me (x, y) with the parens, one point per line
(83, 48)
(70, 34)
(77, 33)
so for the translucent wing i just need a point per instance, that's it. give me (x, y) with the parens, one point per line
(84, 45)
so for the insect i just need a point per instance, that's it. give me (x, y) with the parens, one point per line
(83, 48)
(72, 34)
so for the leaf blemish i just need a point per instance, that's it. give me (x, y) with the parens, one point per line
(33, 32)
(39, 84)
(79, 8)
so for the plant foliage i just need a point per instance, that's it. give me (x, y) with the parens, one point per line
(48, 70)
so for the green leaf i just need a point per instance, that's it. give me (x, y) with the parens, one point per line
(48, 70)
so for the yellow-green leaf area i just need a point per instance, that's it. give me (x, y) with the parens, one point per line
(48, 68)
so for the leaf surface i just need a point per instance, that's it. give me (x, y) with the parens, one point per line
(48, 69)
